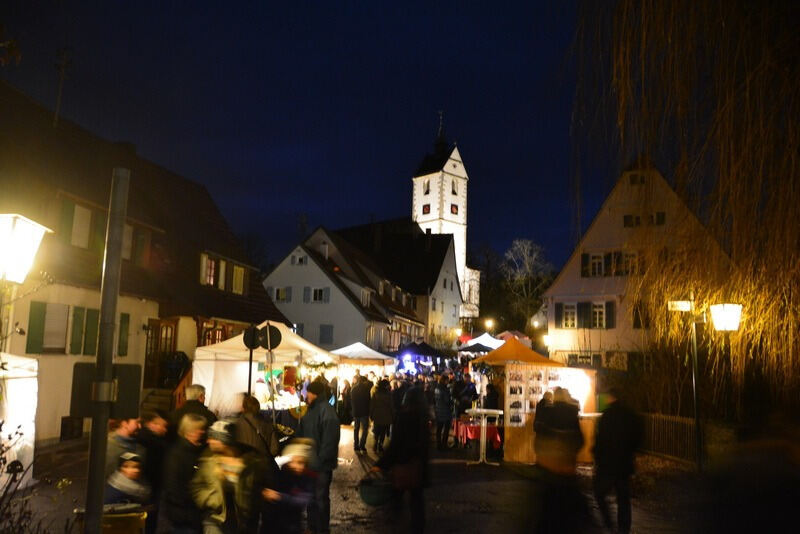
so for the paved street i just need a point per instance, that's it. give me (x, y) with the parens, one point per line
(462, 498)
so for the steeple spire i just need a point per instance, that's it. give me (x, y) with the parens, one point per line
(441, 142)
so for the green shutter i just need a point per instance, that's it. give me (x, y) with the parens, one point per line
(559, 315)
(124, 326)
(98, 239)
(76, 342)
(35, 339)
(92, 328)
(584, 315)
(67, 215)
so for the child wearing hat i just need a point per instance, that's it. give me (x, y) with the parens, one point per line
(124, 484)
(293, 487)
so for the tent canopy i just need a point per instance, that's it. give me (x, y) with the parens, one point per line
(288, 351)
(358, 353)
(420, 349)
(477, 347)
(483, 339)
(514, 351)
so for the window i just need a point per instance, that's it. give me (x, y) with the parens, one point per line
(141, 246)
(221, 277)
(453, 188)
(455, 310)
(598, 315)
(326, 334)
(426, 187)
(433, 304)
(629, 221)
(630, 263)
(237, 285)
(127, 242)
(454, 209)
(81, 226)
(596, 266)
(570, 316)
(451, 285)
(208, 270)
(365, 298)
(317, 294)
(283, 294)
(47, 328)
(444, 280)
(442, 307)
(302, 260)
(426, 209)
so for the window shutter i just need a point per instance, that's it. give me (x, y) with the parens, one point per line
(584, 265)
(67, 215)
(559, 315)
(98, 241)
(124, 328)
(306, 294)
(76, 341)
(221, 275)
(607, 264)
(611, 316)
(35, 341)
(203, 268)
(326, 294)
(289, 294)
(584, 314)
(92, 328)
(271, 293)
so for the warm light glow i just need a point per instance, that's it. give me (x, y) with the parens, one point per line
(489, 324)
(578, 383)
(19, 241)
(546, 340)
(726, 317)
(680, 305)
(535, 323)
(458, 332)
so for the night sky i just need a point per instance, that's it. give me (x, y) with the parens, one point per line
(324, 108)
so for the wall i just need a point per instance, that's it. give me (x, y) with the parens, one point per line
(450, 297)
(55, 370)
(186, 336)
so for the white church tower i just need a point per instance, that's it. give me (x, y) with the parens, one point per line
(439, 206)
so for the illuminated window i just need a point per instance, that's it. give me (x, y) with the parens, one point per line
(453, 189)
(570, 316)
(598, 315)
(238, 280)
(208, 270)
(426, 188)
(596, 266)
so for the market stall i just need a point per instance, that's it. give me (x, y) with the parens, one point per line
(18, 398)
(223, 369)
(359, 357)
(484, 339)
(417, 358)
(523, 376)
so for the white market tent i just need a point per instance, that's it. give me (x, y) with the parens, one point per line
(222, 367)
(483, 339)
(18, 399)
(361, 357)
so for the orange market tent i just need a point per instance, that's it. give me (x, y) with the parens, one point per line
(514, 351)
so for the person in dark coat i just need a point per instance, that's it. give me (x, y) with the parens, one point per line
(153, 437)
(195, 403)
(360, 399)
(443, 410)
(492, 399)
(559, 436)
(180, 466)
(254, 431)
(345, 407)
(467, 394)
(125, 484)
(381, 412)
(293, 488)
(619, 435)
(321, 425)
(406, 459)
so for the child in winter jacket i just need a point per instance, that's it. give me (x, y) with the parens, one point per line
(124, 484)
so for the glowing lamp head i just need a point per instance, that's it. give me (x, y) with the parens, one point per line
(535, 323)
(546, 340)
(20, 238)
(489, 323)
(726, 317)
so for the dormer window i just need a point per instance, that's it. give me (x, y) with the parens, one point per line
(426, 187)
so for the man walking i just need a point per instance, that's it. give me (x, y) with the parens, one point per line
(619, 434)
(321, 424)
(360, 399)
(196, 404)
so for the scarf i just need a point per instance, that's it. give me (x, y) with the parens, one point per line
(138, 491)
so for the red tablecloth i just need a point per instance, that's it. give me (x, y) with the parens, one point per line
(465, 431)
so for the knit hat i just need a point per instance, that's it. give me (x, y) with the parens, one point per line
(128, 456)
(317, 388)
(298, 447)
(223, 431)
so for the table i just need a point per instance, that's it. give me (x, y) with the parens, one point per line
(465, 431)
(483, 413)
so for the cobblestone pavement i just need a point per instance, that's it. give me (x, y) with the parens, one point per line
(462, 498)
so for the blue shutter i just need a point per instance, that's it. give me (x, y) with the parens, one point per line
(326, 294)
(306, 294)
(289, 293)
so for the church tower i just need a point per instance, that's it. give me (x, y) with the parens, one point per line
(439, 204)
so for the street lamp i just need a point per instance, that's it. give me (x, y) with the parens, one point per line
(725, 318)
(489, 324)
(20, 238)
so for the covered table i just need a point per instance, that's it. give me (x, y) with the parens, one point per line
(465, 431)
(484, 413)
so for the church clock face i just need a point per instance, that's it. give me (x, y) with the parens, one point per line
(454, 209)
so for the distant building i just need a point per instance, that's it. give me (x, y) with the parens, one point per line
(185, 279)
(439, 206)
(591, 320)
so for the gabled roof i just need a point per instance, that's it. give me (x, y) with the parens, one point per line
(435, 161)
(408, 257)
(40, 165)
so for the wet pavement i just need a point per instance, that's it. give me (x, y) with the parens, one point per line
(462, 497)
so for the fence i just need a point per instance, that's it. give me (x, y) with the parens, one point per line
(670, 435)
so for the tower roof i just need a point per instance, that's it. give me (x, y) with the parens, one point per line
(434, 162)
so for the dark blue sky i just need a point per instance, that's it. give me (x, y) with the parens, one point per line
(324, 108)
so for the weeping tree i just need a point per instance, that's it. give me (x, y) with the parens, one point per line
(709, 92)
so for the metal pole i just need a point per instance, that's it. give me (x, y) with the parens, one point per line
(271, 375)
(697, 431)
(250, 373)
(103, 398)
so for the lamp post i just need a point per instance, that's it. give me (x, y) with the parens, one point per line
(725, 317)
(20, 238)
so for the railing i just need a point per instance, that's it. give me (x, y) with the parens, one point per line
(670, 435)
(179, 393)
